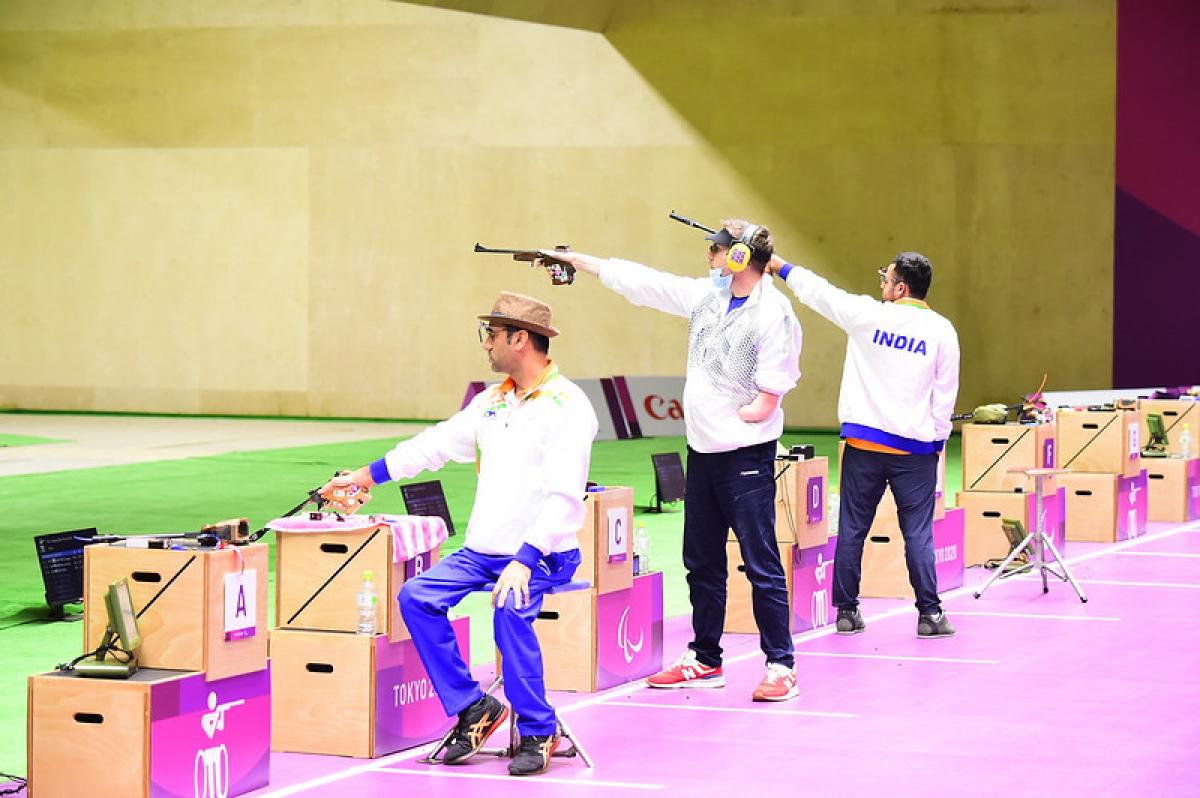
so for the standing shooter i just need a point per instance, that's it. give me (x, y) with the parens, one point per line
(743, 354)
(899, 384)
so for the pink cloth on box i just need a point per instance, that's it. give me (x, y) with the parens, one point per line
(413, 534)
(328, 522)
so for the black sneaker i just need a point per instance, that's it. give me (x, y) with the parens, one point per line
(475, 724)
(533, 756)
(934, 626)
(850, 622)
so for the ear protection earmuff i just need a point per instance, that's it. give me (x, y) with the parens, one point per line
(738, 256)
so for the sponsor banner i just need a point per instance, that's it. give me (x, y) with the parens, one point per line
(210, 739)
(812, 586)
(408, 711)
(608, 413)
(629, 632)
(1133, 506)
(653, 405)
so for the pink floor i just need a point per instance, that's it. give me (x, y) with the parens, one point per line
(1037, 695)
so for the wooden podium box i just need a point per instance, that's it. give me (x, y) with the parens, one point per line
(184, 629)
(593, 641)
(990, 451)
(353, 695)
(1175, 414)
(984, 510)
(605, 540)
(319, 575)
(148, 735)
(884, 571)
(739, 608)
(1105, 507)
(801, 501)
(1174, 488)
(1100, 441)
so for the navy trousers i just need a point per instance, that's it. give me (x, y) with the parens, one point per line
(424, 603)
(734, 490)
(913, 479)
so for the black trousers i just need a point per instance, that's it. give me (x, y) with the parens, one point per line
(913, 479)
(734, 490)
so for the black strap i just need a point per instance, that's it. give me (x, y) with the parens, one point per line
(998, 459)
(332, 576)
(1083, 448)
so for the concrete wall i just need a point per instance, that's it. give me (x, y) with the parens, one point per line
(269, 207)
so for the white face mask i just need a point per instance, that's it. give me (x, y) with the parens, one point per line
(720, 282)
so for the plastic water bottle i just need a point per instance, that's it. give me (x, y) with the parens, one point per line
(1185, 442)
(366, 605)
(641, 550)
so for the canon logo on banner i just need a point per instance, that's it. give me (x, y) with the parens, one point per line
(661, 409)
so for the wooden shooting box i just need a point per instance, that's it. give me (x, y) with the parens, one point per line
(991, 451)
(884, 571)
(1175, 414)
(353, 695)
(739, 606)
(319, 576)
(801, 501)
(887, 513)
(1174, 488)
(148, 735)
(184, 628)
(605, 540)
(1105, 507)
(1100, 441)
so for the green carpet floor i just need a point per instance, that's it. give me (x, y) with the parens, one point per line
(181, 495)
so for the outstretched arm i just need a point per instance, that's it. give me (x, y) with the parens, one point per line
(640, 284)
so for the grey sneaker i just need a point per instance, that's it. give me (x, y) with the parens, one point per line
(850, 622)
(934, 626)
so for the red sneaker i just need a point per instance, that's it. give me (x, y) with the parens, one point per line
(688, 672)
(778, 685)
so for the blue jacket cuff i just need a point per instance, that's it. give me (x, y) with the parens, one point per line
(528, 556)
(785, 270)
(379, 472)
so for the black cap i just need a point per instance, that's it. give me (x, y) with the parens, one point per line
(722, 238)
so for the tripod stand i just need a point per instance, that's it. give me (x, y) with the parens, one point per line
(1036, 542)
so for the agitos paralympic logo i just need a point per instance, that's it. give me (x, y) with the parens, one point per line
(661, 409)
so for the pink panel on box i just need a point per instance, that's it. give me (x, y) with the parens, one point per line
(1193, 489)
(210, 739)
(408, 711)
(949, 549)
(629, 632)
(1133, 506)
(812, 586)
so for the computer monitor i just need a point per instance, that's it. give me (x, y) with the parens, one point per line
(121, 616)
(1157, 445)
(116, 657)
(427, 498)
(669, 480)
(60, 556)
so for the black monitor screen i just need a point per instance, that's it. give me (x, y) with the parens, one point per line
(427, 498)
(61, 556)
(668, 476)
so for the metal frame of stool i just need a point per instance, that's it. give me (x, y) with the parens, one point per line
(1036, 540)
(514, 736)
